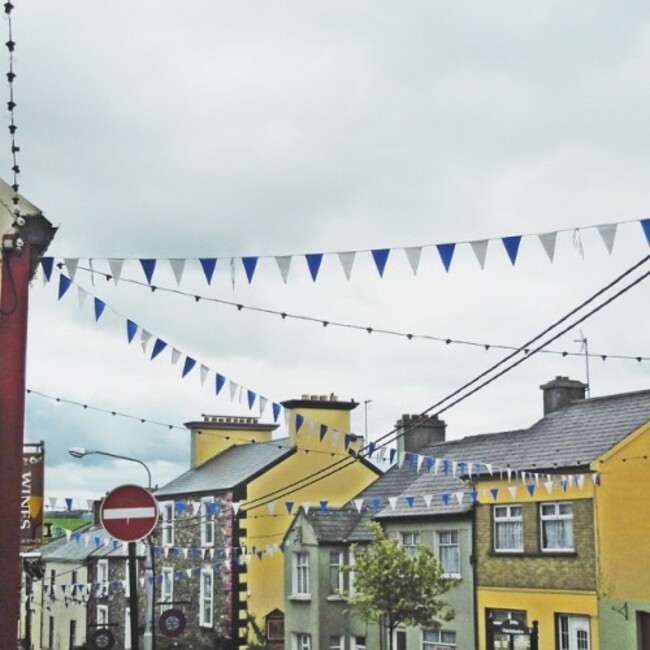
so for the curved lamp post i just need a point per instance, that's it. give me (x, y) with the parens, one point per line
(149, 637)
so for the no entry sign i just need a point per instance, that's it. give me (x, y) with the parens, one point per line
(129, 513)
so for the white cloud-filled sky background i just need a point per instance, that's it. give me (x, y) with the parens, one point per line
(164, 130)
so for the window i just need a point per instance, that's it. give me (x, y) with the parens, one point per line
(301, 574)
(502, 641)
(301, 641)
(508, 528)
(207, 579)
(556, 526)
(438, 640)
(167, 588)
(572, 632)
(167, 525)
(449, 552)
(207, 522)
(102, 615)
(73, 633)
(410, 542)
(359, 643)
(336, 643)
(102, 578)
(336, 576)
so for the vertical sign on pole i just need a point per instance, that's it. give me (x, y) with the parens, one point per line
(31, 495)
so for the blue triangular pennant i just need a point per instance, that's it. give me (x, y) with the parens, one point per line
(64, 285)
(313, 262)
(208, 264)
(512, 247)
(445, 498)
(410, 500)
(380, 255)
(446, 466)
(474, 495)
(564, 485)
(299, 420)
(429, 463)
(276, 411)
(68, 504)
(371, 449)
(189, 364)
(376, 503)
(446, 252)
(100, 305)
(289, 506)
(213, 506)
(250, 263)
(98, 540)
(116, 545)
(158, 347)
(48, 264)
(251, 398)
(462, 469)
(323, 506)
(219, 382)
(77, 536)
(495, 493)
(531, 489)
(323, 431)
(347, 441)
(645, 224)
(148, 266)
(180, 506)
(282, 546)
(131, 329)
(391, 455)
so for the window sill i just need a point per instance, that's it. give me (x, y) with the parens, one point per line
(300, 597)
(535, 554)
(336, 598)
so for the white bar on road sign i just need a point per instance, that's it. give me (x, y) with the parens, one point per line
(129, 513)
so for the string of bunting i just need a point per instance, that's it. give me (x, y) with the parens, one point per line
(11, 105)
(361, 328)
(379, 256)
(155, 347)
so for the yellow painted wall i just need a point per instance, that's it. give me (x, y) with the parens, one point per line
(623, 536)
(207, 443)
(522, 495)
(540, 606)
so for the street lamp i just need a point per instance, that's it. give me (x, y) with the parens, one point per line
(80, 452)
(149, 636)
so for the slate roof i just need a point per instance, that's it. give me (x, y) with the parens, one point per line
(333, 525)
(568, 439)
(236, 465)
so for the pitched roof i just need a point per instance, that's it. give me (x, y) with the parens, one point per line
(333, 525)
(236, 465)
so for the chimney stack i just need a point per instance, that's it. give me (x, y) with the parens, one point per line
(421, 431)
(560, 392)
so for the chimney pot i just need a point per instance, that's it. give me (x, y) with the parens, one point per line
(560, 392)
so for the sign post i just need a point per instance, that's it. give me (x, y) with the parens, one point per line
(130, 513)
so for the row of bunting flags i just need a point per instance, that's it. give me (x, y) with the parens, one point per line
(380, 256)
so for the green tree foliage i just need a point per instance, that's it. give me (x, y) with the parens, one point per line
(392, 587)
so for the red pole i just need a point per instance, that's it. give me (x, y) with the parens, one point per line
(14, 287)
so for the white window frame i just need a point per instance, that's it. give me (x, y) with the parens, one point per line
(336, 586)
(207, 522)
(452, 545)
(102, 615)
(436, 640)
(206, 598)
(410, 540)
(301, 641)
(166, 588)
(301, 583)
(556, 516)
(508, 519)
(102, 578)
(336, 642)
(167, 513)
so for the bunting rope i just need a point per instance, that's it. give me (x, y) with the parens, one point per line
(361, 328)
(379, 256)
(11, 106)
(476, 382)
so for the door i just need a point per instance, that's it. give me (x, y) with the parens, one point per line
(644, 630)
(574, 633)
(400, 639)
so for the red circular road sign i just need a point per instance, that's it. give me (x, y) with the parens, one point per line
(129, 513)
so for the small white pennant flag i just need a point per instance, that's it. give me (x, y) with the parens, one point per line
(548, 240)
(233, 389)
(82, 294)
(413, 255)
(336, 435)
(358, 504)
(509, 473)
(186, 552)
(178, 266)
(488, 467)
(310, 427)
(305, 506)
(513, 491)
(436, 465)
(419, 462)
(71, 264)
(263, 402)
(284, 264)
(549, 486)
(235, 506)
(287, 417)
(454, 467)
(196, 506)
(204, 373)
(427, 499)
(393, 502)
(116, 269)
(608, 233)
(144, 339)
(347, 260)
(401, 459)
(68, 534)
(459, 497)
(580, 480)
(480, 250)
(271, 507)
(176, 355)
(595, 478)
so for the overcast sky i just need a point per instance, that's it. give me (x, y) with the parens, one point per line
(210, 129)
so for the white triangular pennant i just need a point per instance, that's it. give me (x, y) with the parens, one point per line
(178, 266)
(263, 402)
(480, 250)
(608, 233)
(196, 506)
(310, 427)
(116, 269)
(271, 507)
(358, 504)
(233, 389)
(347, 260)
(336, 436)
(413, 255)
(287, 417)
(436, 465)
(401, 459)
(547, 240)
(71, 264)
(284, 264)
(419, 462)
(306, 506)
(488, 467)
(235, 506)
(549, 486)
(176, 355)
(513, 491)
(595, 478)
(144, 339)
(459, 497)
(204, 373)
(393, 502)
(509, 473)
(454, 467)
(82, 295)
(427, 499)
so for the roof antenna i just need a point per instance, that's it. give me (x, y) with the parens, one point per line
(584, 347)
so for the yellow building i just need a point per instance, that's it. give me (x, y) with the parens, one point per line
(247, 486)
